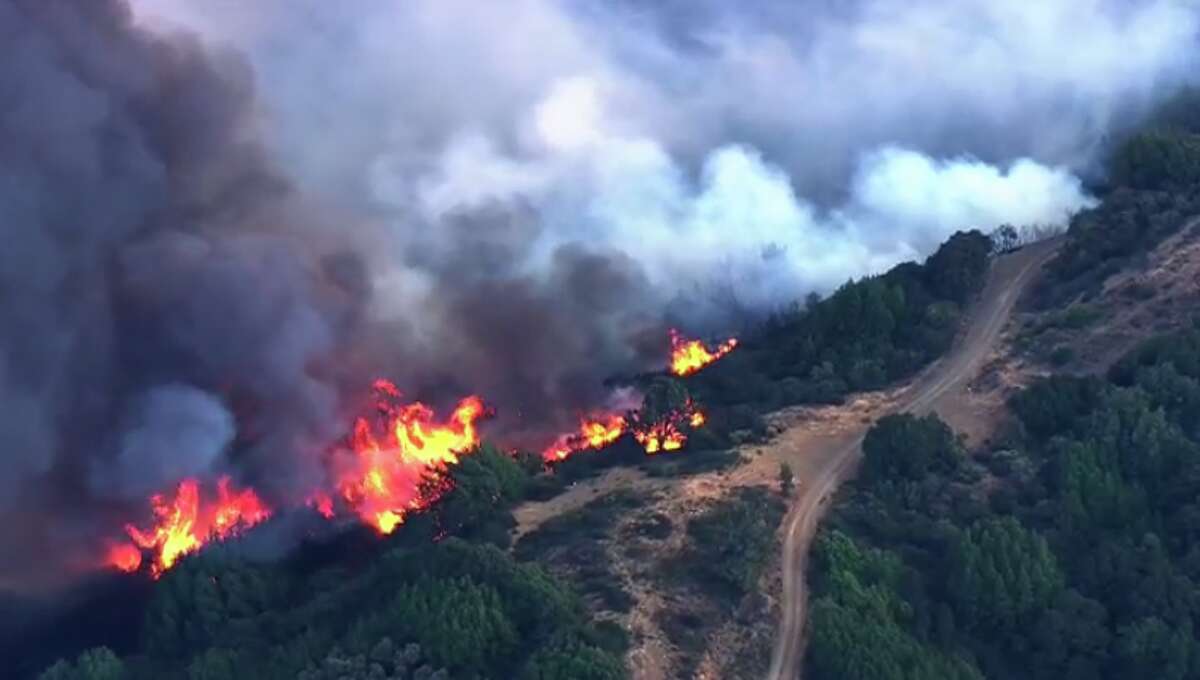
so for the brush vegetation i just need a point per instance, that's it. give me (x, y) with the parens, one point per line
(1069, 551)
(440, 599)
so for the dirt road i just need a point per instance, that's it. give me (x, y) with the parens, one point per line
(1009, 276)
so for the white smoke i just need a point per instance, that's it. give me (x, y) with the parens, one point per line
(765, 148)
(740, 219)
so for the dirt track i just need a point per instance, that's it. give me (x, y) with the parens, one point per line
(830, 459)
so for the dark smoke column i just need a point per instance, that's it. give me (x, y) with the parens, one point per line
(162, 310)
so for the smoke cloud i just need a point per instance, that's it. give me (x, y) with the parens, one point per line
(694, 137)
(220, 218)
(192, 427)
(162, 308)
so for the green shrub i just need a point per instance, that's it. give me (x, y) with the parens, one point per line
(1062, 355)
(1157, 159)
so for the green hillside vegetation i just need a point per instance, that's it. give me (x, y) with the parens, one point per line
(1104, 240)
(733, 542)
(416, 606)
(865, 335)
(1157, 159)
(1155, 179)
(1064, 553)
(1068, 551)
(374, 609)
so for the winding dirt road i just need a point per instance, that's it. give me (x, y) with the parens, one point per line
(1009, 276)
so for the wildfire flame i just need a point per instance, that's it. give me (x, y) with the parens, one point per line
(186, 522)
(598, 431)
(595, 432)
(124, 557)
(400, 469)
(689, 356)
(667, 434)
(394, 463)
(322, 503)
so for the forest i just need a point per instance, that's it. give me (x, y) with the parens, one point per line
(1067, 546)
(443, 599)
(1068, 549)
(1153, 189)
(440, 599)
(865, 335)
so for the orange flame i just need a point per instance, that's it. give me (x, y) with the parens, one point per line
(124, 557)
(661, 437)
(689, 356)
(598, 431)
(401, 470)
(322, 503)
(397, 464)
(668, 433)
(185, 523)
(595, 432)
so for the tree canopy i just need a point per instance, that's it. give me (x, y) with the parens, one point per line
(1067, 551)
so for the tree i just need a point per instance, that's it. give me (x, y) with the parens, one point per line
(214, 664)
(1071, 638)
(1149, 648)
(1083, 566)
(1004, 239)
(94, 664)
(574, 662)
(734, 540)
(865, 334)
(908, 447)
(858, 624)
(662, 397)
(957, 269)
(1001, 573)
(486, 484)
(1157, 159)
(205, 599)
(1053, 405)
(786, 479)
(458, 623)
(858, 644)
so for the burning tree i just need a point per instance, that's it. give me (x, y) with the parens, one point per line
(689, 356)
(401, 457)
(666, 417)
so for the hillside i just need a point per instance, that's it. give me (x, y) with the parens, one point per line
(839, 454)
(615, 543)
(612, 564)
(609, 565)
(1048, 530)
(1063, 549)
(580, 340)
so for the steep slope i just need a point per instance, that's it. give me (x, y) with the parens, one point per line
(1010, 275)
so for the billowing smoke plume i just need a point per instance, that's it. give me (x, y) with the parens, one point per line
(533, 190)
(735, 152)
(555, 175)
(161, 306)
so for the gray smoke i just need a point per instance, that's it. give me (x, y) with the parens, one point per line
(715, 161)
(762, 147)
(163, 310)
(192, 427)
